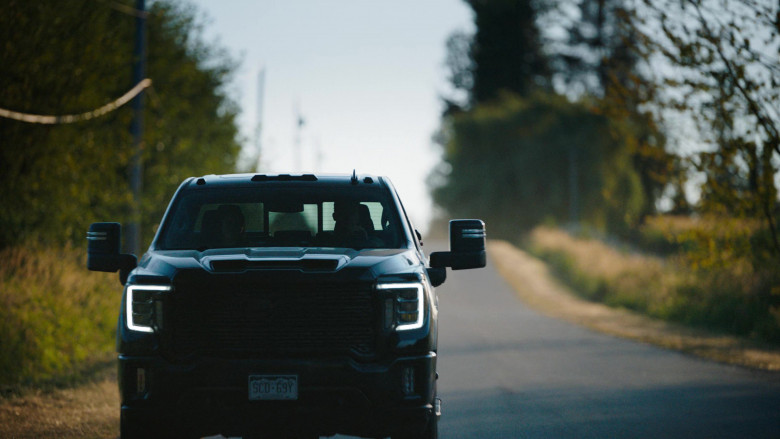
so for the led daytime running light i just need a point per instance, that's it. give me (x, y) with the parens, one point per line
(417, 324)
(129, 310)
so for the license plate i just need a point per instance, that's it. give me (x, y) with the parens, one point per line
(273, 387)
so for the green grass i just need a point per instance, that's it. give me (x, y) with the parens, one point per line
(57, 320)
(711, 273)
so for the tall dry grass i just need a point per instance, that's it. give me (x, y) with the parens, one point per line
(56, 318)
(712, 274)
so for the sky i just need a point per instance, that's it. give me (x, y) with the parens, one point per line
(366, 77)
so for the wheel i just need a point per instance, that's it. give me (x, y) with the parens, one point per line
(129, 429)
(134, 427)
(431, 430)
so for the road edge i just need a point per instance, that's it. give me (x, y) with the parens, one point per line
(535, 285)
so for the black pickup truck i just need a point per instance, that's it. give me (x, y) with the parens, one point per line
(281, 306)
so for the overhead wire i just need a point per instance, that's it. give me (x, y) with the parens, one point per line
(73, 118)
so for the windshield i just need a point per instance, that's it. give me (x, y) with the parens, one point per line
(282, 217)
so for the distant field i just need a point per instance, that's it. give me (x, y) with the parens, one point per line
(708, 273)
(57, 320)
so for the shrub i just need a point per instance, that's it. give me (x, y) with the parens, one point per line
(717, 278)
(56, 318)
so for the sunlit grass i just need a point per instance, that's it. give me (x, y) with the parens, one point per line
(56, 318)
(712, 273)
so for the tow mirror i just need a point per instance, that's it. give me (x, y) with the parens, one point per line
(467, 246)
(103, 243)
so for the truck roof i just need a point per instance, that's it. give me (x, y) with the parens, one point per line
(252, 179)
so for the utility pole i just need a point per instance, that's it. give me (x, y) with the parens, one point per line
(298, 154)
(259, 127)
(137, 129)
(318, 155)
(574, 190)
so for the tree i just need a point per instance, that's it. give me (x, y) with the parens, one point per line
(606, 58)
(725, 74)
(577, 159)
(71, 56)
(508, 162)
(504, 55)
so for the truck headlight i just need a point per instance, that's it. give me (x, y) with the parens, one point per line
(404, 308)
(144, 309)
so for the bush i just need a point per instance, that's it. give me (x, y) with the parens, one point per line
(718, 278)
(520, 162)
(56, 318)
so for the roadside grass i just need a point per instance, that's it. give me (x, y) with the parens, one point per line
(57, 320)
(708, 273)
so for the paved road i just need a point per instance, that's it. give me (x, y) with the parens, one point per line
(508, 372)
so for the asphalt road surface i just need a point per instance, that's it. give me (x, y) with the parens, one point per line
(509, 372)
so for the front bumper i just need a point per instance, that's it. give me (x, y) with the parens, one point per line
(337, 395)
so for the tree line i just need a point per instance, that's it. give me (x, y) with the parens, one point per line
(606, 112)
(71, 56)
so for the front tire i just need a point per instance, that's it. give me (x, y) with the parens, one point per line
(431, 431)
(129, 429)
(134, 427)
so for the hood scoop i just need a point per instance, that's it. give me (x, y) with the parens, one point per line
(304, 264)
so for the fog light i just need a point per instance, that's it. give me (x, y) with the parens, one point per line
(407, 381)
(140, 381)
(389, 313)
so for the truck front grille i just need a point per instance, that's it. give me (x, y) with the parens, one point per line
(311, 319)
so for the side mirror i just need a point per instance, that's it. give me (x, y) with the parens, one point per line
(437, 276)
(103, 243)
(467, 246)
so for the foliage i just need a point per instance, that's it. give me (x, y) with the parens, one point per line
(606, 57)
(520, 162)
(70, 56)
(724, 74)
(601, 159)
(504, 55)
(718, 279)
(55, 318)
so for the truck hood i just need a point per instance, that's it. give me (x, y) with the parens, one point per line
(166, 263)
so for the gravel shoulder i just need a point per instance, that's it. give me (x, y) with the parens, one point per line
(538, 288)
(89, 410)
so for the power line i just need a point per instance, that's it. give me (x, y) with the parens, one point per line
(73, 118)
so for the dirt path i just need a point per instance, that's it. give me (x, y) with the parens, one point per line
(538, 289)
(85, 412)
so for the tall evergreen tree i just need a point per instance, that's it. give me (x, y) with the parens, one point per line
(504, 55)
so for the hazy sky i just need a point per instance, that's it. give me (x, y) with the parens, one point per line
(366, 76)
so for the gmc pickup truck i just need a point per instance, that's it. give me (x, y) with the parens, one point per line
(281, 306)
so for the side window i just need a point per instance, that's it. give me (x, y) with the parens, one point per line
(253, 216)
(202, 214)
(296, 221)
(328, 223)
(375, 210)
